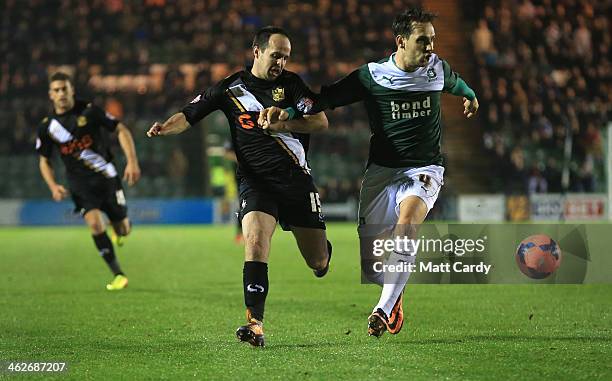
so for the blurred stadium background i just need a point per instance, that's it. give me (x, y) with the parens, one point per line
(537, 150)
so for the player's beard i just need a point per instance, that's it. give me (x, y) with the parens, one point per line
(425, 58)
(275, 72)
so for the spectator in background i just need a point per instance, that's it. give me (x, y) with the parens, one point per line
(552, 174)
(517, 179)
(536, 182)
(556, 56)
(582, 40)
(482, 39)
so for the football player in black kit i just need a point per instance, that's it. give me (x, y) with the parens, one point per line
(275, 180)
(81, 133)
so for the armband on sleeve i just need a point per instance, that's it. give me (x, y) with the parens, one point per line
(291, 111)
(462, 89)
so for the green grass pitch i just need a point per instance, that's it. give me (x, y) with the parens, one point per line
(178, 316)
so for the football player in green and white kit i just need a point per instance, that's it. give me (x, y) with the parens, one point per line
(405, 172)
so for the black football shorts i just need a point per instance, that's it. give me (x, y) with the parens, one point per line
(99, 193)
(296, 204)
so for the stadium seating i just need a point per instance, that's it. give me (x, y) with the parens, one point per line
(146, 59)
(544, 78)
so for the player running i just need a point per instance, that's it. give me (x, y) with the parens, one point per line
(405, 172)
(81, 132)
(275, 181)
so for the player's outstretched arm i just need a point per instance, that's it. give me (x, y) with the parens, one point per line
(176, 124)
(58, 192)
(349, 89)
(454, 84)
(276, 119)
(132, 169)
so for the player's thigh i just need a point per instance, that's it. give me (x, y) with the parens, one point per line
(94, 218)
(300, 211)
(115, 205)
(257, 230)
(377, 201)
(415, 198)
(418, 183)
(300, 205)
(258, 214)
(412, 213)
(377, 219)
(122, 227)
(253, 198)
(413, 210)
(312, 243)
(86, 196)
(380, 208)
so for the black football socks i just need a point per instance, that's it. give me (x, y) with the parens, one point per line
(255, 282)
(105, 247)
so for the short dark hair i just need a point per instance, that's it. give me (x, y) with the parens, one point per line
(60, 76)
(262, 37)
(402, 25)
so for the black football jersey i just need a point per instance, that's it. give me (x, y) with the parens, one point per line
(265, 157)
(82, 137)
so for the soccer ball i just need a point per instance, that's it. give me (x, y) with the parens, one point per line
(538, 256)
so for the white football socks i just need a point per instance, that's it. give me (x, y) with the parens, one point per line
(395, 281)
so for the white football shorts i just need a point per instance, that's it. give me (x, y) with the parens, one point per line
(383, 189)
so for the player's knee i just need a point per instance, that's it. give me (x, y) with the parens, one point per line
(407, 226)
(408, 219)
(124, 229)
(414, 215)
(318, 262)
(255, 244)
(97, 227)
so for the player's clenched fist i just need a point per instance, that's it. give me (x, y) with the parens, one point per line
(58, 192)
(271, 115)
(176, 124)
(155, 130)
(470, 107)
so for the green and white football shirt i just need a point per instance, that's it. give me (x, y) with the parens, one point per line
(403, 109)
